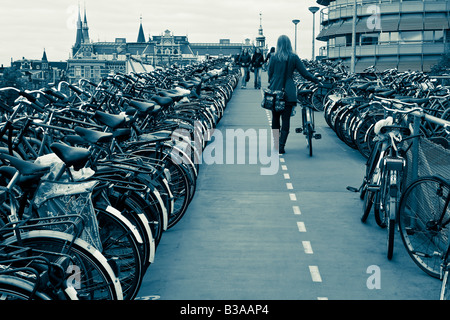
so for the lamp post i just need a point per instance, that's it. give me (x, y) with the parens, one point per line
(295, 21)
(353, 53)
(313, 11)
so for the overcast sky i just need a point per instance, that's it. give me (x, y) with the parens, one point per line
(29, 26)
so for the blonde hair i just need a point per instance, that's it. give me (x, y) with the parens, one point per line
(284, 48)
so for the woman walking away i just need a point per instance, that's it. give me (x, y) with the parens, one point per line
(245, 60)
(285, 60)
(257, 62)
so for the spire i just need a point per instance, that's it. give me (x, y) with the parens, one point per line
(141, 37)
(260, 39)
(44, 57)
(260, 31)
(79, 39)
(85, 28)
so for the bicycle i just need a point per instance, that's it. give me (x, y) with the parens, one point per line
(20, 226)
(386, 168)
(308, 125)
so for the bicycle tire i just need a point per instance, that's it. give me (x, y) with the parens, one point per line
(96, 279)
(309, 137)
(120, 244)
(14, 288)
(368, 199)
(445, 287)
(423, 220)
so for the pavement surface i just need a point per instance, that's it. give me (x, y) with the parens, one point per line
(295, 234)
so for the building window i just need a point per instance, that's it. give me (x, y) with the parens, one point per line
(87, 71)
(77, 72)
(97, 72)
(411, 36)
(369, 39)
(340, 41)
(439, 35)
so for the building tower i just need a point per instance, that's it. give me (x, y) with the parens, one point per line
(260, 39)
(85, 29)
(141, 36)
(79, 38)
(44, 61)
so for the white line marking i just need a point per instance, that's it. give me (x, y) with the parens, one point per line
(307, 247)
(281, 159)
(287, 176)
(289, 186)
(284, 167)
(296, 210)
(292, 197)
(315, 274)
(301, 226)
(322, 298)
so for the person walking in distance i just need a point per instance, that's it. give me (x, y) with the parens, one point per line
(266, 61)
(256, 64)
(285, 60)
(245, 61)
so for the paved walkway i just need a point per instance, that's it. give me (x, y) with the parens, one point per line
(292, 235)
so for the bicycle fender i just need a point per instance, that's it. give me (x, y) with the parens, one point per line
(127, 222)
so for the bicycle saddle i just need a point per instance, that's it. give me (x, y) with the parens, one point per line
(111, 120)
(93, 136)
(26, 168)
(173, 94)
(163, 101)
(71, 156)
(403, 130)
(142, 106)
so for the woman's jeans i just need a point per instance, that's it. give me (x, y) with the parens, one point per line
(246, 73)
(257, 78)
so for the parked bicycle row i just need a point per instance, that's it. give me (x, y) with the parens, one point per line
(92, 174)
(385, 115)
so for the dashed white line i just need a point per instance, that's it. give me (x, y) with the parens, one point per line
(307, 247)
(289, 186)
(296, 210)
(315, 274)
(292, 196)
(287, 176)
(284, 167)
(301, 226)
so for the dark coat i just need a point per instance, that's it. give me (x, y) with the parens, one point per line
(276, 75)
(245, 60)
(257, 60)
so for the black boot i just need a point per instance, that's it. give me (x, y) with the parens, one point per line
(283, 138)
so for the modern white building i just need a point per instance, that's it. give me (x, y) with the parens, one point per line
(403, 34)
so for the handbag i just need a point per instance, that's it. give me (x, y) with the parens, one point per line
(274, 100)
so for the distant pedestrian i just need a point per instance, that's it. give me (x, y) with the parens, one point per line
(285, 61)
(257, 62)
(266, 61)
(244, 61)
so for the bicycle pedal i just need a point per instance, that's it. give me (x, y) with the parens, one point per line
(317, 136)
(373, 187)
(298, 130)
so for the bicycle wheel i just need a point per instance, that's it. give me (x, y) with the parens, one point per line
(369, 197)
(423, 219)
(445, 286)
(13, 288)
(92, 277)
(119, 244)
(391, 204)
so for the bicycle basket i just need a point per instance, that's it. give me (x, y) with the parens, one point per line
(56, 199)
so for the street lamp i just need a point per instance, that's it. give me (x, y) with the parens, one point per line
(313, 10)
(295, 21)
